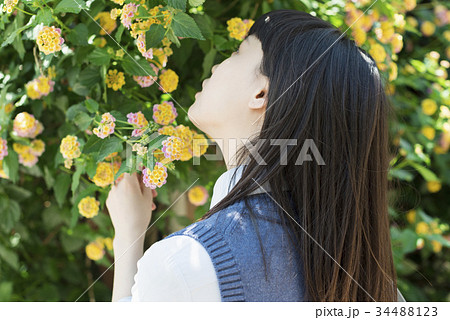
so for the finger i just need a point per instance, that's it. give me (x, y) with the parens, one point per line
(153, 206)
(154, 192)
(132, 180)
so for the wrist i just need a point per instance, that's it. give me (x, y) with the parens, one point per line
(128, 238)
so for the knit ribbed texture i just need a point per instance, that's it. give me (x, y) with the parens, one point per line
(230, 238)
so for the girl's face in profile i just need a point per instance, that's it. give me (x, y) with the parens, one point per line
(234, 97)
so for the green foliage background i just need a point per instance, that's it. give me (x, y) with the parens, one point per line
(42, 236)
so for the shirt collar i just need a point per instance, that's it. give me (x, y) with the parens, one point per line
(225, 183)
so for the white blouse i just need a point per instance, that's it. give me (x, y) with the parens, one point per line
(179, 268)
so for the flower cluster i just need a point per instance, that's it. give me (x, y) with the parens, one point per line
(137, 119)
(127, 15)
(70, 149)
(28, 155)
(8, 108)
(164, 113)
(198, 195)
(39, 87)
(107, 23)
(88, 207)
(115, 79)
(106, 126)
(172, 148)
(194, 144)
(49, 40)
(95, 250)
(9, 5)
(238, 28)
(141, 46)
(168, 80)
(140, 149)
(156, 177)
(25, 125)
(105, 172)
(3, 148)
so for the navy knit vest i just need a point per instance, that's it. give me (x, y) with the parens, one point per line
(231, 240)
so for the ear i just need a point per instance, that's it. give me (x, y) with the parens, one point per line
(259, 99)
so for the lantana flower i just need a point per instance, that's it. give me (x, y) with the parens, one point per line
(155, 177)
(88, 207)
(106, 127)
(164, 113)
(49, 40)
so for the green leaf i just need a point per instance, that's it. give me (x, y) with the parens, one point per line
(17, 31)
(123, 168)
(48, 178)
(177, 4)
(10, 213)
(83, 120)
(427, 174)
(196, 3)
(208, 62)
(70, 6)
(184, 26)
(61, 188)
(171, 36)
(17, 193)
(74, 110)
(99, 57)
(92, 145)
(119, 32)
(91, 105)
(10, 257)
(76, 176)
(154, 35)
(156, 143)
(44, 16)
(110, 145)
(79, 35)
(11, 165)
(137, 67)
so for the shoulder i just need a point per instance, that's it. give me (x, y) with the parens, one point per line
(175, 269)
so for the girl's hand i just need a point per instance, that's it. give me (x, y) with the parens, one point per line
(130, 205)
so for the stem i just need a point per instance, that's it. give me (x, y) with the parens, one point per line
(54, 16)
(36, 59)
(31, 14)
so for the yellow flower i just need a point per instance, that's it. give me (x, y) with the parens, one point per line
(70, 147)
(94, 250)
(168, 80)
(428, 132)
(385, 32)
(25, 125)
(393, 71)
(377, 52)
(9, 5)
(434, 226)
(437, 246)
(397, 43)
(422, 228)
(39, 87)
(199, 144)
(99, 42)
(429, 106)
(108, 242)
(359, 35)
(49, 40)
(411, 216)
(198, 195)
(88, 207)
(161, 57)
(104, 174)
(238, 28)
(434, 186)
(410, 4)
(9, 107)
(107, 23)
(427, 28)
(115, 79)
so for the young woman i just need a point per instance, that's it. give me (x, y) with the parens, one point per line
(287, 222)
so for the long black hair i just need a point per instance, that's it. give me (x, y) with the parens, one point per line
(325, 88)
